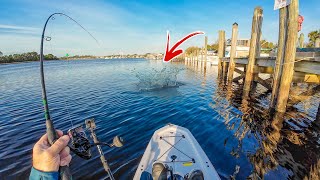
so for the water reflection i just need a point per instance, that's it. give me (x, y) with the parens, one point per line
(240, 135)
(281, 145)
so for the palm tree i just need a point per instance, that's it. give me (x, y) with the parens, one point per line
(313, 36)
(1, 53)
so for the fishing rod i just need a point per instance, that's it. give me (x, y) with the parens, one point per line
(79, 144)
(65, 173)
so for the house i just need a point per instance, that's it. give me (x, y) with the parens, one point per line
(242, 48)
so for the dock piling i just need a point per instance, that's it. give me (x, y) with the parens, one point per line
(197, 54)
(205, 48)
(280, 55)
(289, 56)
(221, 50)
(201, 54)
(318, 116)
(254, 50)
(233, 52)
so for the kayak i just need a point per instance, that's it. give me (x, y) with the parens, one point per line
(173, 153)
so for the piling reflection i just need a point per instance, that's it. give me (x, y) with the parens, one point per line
(288, 143)
(281, 142)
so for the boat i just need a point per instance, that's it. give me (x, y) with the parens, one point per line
(173, 153)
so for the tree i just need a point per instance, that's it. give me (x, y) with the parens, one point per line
(50, 57)
(192, 50)
(30, 56)
(213, 47)
(1, 53)
(313, 36)
(267, 45)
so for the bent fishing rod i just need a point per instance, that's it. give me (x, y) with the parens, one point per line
(65, 173)
(80, 144)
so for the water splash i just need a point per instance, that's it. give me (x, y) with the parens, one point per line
(158, 78)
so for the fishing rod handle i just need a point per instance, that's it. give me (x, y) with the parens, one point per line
(65, 173)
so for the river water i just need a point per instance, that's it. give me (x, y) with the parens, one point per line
(134, 97)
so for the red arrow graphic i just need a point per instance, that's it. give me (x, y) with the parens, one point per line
(172, 53)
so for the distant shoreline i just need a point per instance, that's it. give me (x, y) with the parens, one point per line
(34, 56)
(71, 59)
(19, 62)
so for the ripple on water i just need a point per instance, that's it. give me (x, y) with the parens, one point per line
(232, 132)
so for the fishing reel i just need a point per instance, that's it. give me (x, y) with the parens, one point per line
(80, 143)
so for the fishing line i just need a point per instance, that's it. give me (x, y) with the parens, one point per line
(79, 142)
(49, 38)
(66, 105)
(76, 22)
(66, 102)
(62, 14)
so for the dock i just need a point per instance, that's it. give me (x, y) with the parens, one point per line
(285, 69)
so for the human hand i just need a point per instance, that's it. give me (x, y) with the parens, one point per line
(48, 158)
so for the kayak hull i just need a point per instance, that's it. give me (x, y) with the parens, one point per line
(175, 147)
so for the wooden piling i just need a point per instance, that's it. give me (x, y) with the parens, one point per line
(192, 59)
(221, 50)
(318, 116)
(205, 48)
(254, 49)
(201, 54)
(197, 54)
(225, 66)
(233, 52)
(280, 55)
(289, 57)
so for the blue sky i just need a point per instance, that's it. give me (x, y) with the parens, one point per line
(134, 26)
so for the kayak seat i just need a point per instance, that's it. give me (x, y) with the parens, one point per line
(159, 171)
(146, 176)
(195, 175)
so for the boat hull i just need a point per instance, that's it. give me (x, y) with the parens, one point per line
(175, 147)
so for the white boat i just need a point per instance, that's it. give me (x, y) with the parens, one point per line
(173, 151)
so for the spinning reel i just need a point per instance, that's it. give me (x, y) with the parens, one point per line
(80, 143)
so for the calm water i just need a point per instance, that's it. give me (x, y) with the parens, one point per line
(126, 98)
